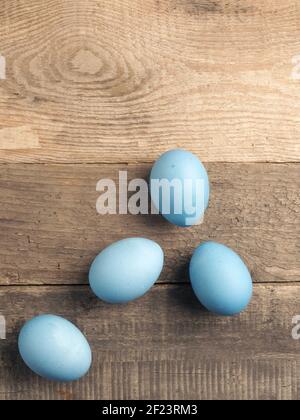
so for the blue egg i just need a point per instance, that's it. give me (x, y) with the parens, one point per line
(126, 270)
(179, 187)
(220, 279)
(54, 348)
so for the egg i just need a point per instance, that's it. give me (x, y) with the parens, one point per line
(179, 187)
(54, 348)
(220, 279)
(126, 270)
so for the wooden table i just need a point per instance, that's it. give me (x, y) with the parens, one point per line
(97, 86)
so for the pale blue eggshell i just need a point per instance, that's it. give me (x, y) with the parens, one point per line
(54, 348)
(220, 279)
(126, 270)
(181, 165)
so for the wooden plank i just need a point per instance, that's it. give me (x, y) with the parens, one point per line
(51, 231)
(162, 346)
(217, 77)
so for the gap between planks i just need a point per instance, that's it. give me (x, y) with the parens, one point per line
(158, 285)
(141, 162)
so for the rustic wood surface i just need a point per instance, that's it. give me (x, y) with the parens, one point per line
(216, 77)
(178, 351)
(51, 230)
(97, 86)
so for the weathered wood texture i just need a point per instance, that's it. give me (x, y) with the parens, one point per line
(178, 351)
(51, 231)
(217, 77)
(121, 81)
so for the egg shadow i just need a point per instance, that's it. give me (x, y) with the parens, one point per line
(21, 376)
(182, 295)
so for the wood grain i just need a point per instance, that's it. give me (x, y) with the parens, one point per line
(216, 77)
(162, 346)
(94, 87)
(51, 231)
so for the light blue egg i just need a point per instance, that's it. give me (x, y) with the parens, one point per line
(54, 348)
(220, 279)
(126, 270)
(183, 169)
